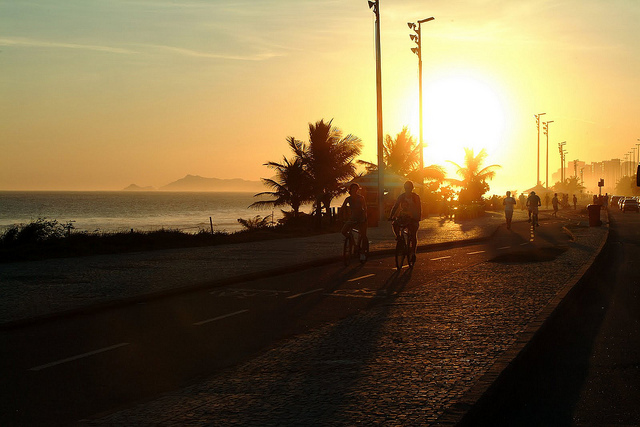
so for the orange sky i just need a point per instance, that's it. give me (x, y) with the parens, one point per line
(99, 95)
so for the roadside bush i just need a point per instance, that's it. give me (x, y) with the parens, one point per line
(494, 203)
(37, 231)
(256, 223)
(465, 212)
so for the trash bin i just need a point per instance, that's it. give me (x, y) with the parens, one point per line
(594, 215)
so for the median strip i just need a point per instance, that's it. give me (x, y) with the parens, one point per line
(219, 317)
(80, 356)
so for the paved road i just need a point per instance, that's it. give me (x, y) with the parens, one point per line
(43, 288)
(64, 370)
(329, 345)
(585, 368)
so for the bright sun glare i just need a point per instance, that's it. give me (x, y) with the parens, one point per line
(459, 112)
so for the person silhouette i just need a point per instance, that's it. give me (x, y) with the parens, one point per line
(554, 202)
(509, 203)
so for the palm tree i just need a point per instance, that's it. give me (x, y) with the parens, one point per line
(328, 158)
(290, 184)
(474, 178)
(401, 156)
(571, 185)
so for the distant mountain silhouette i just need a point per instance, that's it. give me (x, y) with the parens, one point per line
(199, 183)
(134, 187)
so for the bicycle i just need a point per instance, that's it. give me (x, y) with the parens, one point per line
(534, 220)
(353, 249)
(404, 247)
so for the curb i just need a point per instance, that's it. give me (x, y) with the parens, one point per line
(462, 412)
(137, 299)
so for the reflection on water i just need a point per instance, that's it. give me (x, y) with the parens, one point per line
(118, 211)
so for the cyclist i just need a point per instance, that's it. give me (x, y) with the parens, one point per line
(357, 216)
(409, 212)
(532, 203)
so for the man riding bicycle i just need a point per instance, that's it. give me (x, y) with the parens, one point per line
(409, 214)
(357, 215)
(533, 202)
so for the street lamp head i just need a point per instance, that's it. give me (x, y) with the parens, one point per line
(411, 25)
(371, 4)
(415, 50)
(413, 37)
(422, 21)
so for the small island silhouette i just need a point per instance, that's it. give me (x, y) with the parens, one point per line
(199, 183)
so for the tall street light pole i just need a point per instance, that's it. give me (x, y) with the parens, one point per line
(537, 116)
(417, 38)
(638, 163)
(375, 5)
(626, 164)
(561, 150)
(546, 132)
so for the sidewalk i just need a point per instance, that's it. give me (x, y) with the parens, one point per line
(42, 288)
(423, 358)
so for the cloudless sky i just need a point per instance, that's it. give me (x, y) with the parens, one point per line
(96, 95)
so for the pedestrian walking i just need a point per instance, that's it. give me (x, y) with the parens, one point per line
(575, 202)
(546, 201)
(509, 203)
(554, 202)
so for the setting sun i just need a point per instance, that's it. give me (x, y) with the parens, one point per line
(461, 111)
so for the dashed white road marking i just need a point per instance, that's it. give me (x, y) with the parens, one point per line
(525, 243)
(439, 258)
(219, 317)
(504, 247)
(80, 356)
(361, 277)
(476, 252)
(305, 293)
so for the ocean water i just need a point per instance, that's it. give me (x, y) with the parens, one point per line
(122, 211)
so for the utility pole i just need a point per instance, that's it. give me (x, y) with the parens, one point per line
(562, 152)
(546, 132)
(375, 5)
(417, 38)
(537, 116)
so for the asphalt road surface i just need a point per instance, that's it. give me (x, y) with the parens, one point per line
(585, 368)
(60, 371)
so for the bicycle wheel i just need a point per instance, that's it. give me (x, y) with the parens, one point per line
(364, 250)
(347, 250)
(411, 254)
(401, 252)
